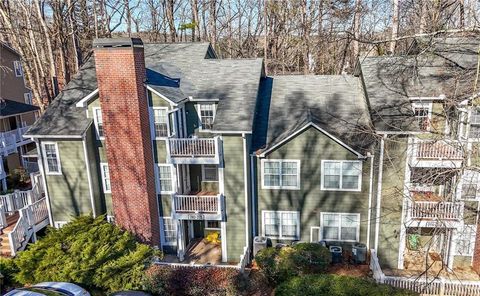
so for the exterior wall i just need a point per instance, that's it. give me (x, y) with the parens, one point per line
(234, 195)
(69, 192)
(310, 148)
(12, 87)
(391, 203)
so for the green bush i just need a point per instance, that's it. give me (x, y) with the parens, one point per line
(8, 269)
(89, 252)
(336, 285)
(303, 258)
(165, 280)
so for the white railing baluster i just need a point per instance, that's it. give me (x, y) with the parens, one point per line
(183, 147)
(197, 203)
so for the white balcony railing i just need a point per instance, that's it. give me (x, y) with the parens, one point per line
(189, 147)
(441, 149)
(19, 199)
(208, 204)
(436, 210)
(11, 139)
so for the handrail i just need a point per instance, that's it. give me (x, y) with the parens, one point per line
(439, 210)
(3, 217)
(190, 147)
(19, 199)
(437, 149)
(197, 203)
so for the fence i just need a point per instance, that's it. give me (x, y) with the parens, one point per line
(425, 286)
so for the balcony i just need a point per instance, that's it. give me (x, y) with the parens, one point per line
(436, 153)
(11, 140)
(434, 214)
(198, 207)
(194, 150)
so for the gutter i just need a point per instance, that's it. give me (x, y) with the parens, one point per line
(253, 195)
(379, 191)
(370, 197)
(245, 180)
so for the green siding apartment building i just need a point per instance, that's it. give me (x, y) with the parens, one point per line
(383, 157)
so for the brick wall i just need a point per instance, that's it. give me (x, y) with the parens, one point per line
(120, 75)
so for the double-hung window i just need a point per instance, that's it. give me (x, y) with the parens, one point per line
(340, 227)
(28, 98)
(475, 124)
(281, 224)
(169, 231)
(52, 158)
(280, 174)
(98, 120)
(105, 177)
(470, 185)
(465, 241)
(343, 175)
(207, 115)
(17, 67)
(422, 112)
(165, 179)
(160, 122)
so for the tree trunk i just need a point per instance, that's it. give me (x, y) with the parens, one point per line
(395, 14)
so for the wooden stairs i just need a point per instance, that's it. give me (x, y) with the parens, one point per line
(5, 249)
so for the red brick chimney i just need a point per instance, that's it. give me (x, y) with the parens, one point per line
(120, 67)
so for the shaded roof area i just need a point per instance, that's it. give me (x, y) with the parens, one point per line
(10, 108)
(177, 71)
(334, 103)
(441, 67)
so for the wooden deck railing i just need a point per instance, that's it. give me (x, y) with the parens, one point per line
(436, 210)
(442, 149)
(186, 147)
(197, 203)
(19, 199)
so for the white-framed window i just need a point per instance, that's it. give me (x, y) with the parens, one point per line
(470, 185)
(465, 240)
(206, 113)
(165, 178)
(210, 173)
(169, 231)
(281, 224)
(160, 122)
(52, 158)
(212, 225)
(105, 177)
(340, 227)
(98, 121)
(474, 131)
(341, 175)
(28, 98)
(423, 114)
(280, 174)
(17, 68)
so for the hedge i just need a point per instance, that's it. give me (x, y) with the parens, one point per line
(336, 285)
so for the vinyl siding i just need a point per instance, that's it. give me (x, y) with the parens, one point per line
(69, 192)
(311, 147)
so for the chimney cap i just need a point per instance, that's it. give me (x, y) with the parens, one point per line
(117, 42)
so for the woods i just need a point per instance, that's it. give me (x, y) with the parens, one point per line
(293, 36)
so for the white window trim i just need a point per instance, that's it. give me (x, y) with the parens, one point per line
(59, 224)
(47, 171)
(339, 227)
(322, 179)
(469, 126)
(95, 122)
(164, 242)
(425, 105)
(465, 176)
(19, 65)
(200, 125)
(213, 228)
(172, 178)
(280, 236)
(263, 161)
(102, 165)
(153, 122)
(28, 98)
(203, 175)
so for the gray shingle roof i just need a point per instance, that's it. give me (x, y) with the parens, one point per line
(334, 103)
(177, 71)
(9, 108)
(446, 67)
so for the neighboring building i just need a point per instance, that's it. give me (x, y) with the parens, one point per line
(17, 114)
(173, 143)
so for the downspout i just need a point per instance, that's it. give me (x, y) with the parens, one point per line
(370, 197)
(379, 191)
(245, 180)
(252, 188)
(89, 176)
(44, 180)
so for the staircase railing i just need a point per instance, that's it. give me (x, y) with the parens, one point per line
(19, 199)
